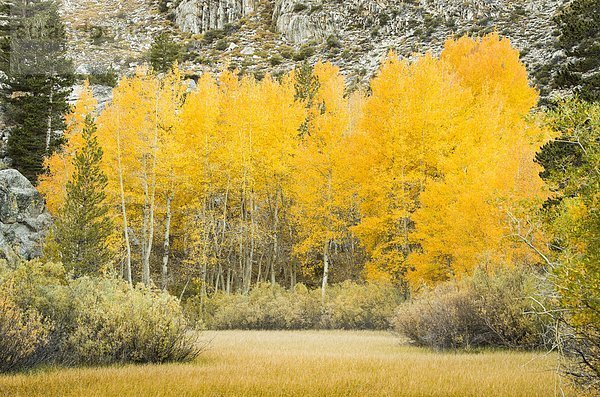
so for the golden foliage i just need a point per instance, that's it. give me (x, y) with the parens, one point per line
(60, 167)
(428, 172)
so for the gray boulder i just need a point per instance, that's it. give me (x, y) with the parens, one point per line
(24, 220)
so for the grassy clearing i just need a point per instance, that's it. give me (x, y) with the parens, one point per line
(306, 363)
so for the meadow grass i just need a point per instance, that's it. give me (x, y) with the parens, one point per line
(306, 363)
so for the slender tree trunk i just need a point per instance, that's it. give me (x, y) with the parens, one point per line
(219, 276)
(293, 275)
(405, 245)
(128, 275)
(259, 272)
(228, 286)
(250, 264)
(275, 256)
(205, 247)
(222, 241)
(49, 126)
(325, 270)
(203, 288)
(151, 196)
(326, 245)
(241, 258)
(205, 242)
(145, 229)
(166, 244)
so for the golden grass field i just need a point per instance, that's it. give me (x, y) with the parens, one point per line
(306, 363)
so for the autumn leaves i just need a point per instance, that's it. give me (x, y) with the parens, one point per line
(414, 179)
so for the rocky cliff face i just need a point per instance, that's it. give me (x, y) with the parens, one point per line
(301, 22)
(356, 34)
(199, 16)
(260, 36)
(24, 220)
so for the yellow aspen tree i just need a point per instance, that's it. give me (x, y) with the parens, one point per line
(171, 156)
(199, 144)
(489, 179)
(238, 125)
(274, 140)
(404, 131)
(59, 165)
(130, 130)
(117, 126)
(321, 199)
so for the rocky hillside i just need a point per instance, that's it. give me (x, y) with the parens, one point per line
(259, 36)
(113, 34)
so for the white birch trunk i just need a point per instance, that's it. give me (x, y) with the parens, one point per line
(128, 275)
(325, 271)
(166, 243)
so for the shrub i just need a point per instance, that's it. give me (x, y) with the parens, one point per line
(213, 35)
(221, 45)
(107, 78)
(97, 35)
(22, 335)
(333, 42)
(230, 28)
(356, 306)
(114, 323)
(164, 52)
(286, 52)
(299, 7)
(305, 52)
(276, 60)
(265, 307)
(479, 311)
(348, 306)
(99, 320)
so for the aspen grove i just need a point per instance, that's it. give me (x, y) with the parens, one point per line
(230, 182)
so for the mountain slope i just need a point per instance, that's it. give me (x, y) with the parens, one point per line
(259, 36)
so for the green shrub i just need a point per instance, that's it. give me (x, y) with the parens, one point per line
(107, 78)
(221, 45)
(164, 52)
(213, 35)
(265, 307)
(286, 52)
(356, 306)
(22, 334)
(276, 60)
(299, 7)
(230, 28)
(114, 323)
(99, 320)
(333, 42)
(305, 52)
(483, 310)
(97, 34)
(347, 306)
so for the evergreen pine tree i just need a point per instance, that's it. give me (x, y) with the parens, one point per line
(83, 227)
(164, 53)
(37, 81)
(579, 28)
(306, 86)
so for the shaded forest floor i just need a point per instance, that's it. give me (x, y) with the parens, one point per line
(306, 363)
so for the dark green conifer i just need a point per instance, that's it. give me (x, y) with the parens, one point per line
(164, 53)
(306, 85)
(37, 81)
(579, 28)
(83, 227)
